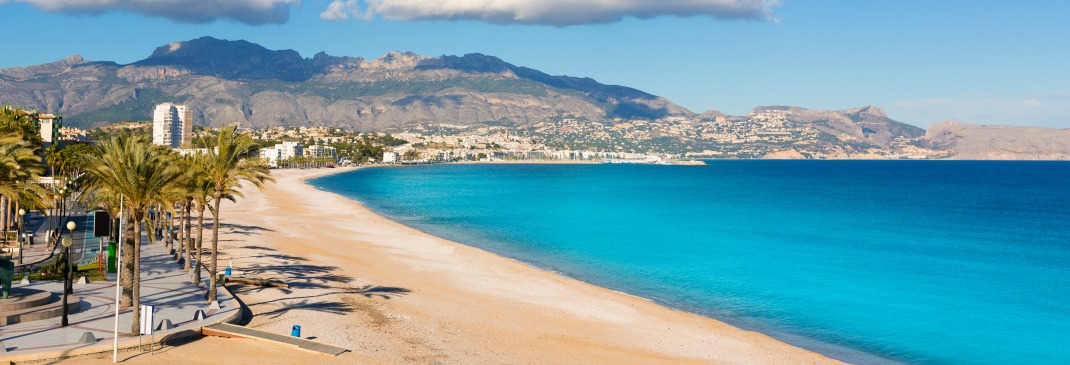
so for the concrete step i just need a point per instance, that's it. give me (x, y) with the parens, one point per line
(46, 311)
(22, 298)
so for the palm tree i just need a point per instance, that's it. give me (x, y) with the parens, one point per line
(53, 157)
(142, 173)
(190, 192)
(228, 162)
(201, 195)
(172, 203)
(71, 159)
(202, 198)
(19, 167)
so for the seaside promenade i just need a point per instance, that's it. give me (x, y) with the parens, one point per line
(164, 285)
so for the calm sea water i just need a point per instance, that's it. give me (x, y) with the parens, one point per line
(938, 262)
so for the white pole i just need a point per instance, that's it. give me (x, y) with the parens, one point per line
(118, 290)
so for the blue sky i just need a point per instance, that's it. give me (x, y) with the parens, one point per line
(987, 62)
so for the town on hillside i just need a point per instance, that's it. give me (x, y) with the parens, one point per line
(767, 133)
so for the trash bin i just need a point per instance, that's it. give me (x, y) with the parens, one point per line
(226, 271)
(296, 332)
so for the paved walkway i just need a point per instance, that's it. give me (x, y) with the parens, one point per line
(163, 285)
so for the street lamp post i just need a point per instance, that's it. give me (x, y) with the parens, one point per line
(22, 219)
(67, 242)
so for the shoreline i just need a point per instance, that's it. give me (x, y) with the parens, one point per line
(841, 352)
(548, 162)
(516, 311)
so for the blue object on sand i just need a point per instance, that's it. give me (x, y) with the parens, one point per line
(296, 332)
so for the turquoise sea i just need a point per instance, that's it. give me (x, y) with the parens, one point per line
(931, 262)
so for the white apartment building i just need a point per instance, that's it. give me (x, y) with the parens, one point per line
(271, 155)
(288, 150)
(49, 129)
(172, 125)
(390, 157)
(320, 151)
(281, 152)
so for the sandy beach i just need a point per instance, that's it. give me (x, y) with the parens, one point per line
(395, 295)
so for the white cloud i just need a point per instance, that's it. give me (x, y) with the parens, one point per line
(187, 11)
(567, 12)
(338, 10)
(345, 9)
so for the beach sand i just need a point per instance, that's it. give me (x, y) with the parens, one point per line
(395, 295)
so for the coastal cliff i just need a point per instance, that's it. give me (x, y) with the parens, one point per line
(999, 142)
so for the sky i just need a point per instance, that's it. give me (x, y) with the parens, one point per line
(924, 62)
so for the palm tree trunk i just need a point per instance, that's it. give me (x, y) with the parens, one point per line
(199, 243)
(16, 221)
(180, 246)
(170, 229)
(183, 239)
(165, 219)
(212, 290)
(149, 228)
(3, 217)
(136, 276)
(157, 222)
(188, 226)
(18, 224)
(127, 266)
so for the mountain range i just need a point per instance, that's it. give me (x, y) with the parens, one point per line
(240, 82)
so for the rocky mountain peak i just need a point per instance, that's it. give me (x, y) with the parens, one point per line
(395, 60)
(867, 111)
(73, 59)
(711, 114)
(231, 60)
(46, 69)
(472, 62)
(944, 129)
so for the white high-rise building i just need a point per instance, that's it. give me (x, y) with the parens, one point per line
(172, 125)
